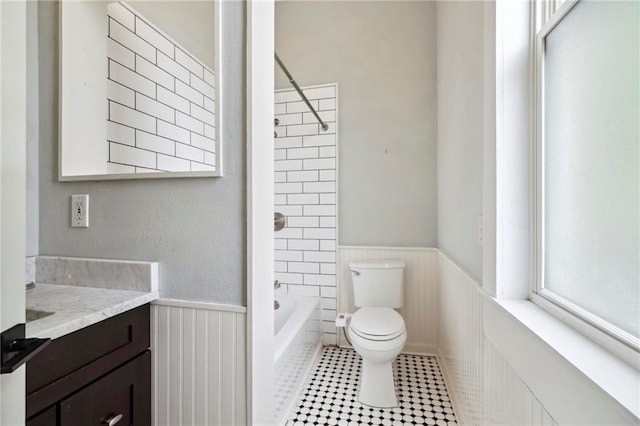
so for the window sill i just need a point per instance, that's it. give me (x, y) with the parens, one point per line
(564, 369)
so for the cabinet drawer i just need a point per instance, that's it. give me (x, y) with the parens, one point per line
(122, 394)
(77, 359)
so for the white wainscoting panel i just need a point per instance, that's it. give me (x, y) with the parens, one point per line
(199, 363)
(484, 388)
(420, 297)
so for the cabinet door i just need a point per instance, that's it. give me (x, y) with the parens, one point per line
(122, 398)
(46, 418)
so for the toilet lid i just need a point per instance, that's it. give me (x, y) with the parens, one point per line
(377, 322)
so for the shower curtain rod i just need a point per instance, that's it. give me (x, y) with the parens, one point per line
(295, 86)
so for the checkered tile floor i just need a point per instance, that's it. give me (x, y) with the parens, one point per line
(330, 395)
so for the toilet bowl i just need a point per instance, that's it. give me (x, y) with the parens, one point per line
(378, 335)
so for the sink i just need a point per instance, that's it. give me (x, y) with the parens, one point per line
(33, 314)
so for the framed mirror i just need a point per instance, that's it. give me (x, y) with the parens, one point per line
(139, 90)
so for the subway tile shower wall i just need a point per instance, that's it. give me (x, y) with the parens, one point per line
(161, 101)
(305, 192)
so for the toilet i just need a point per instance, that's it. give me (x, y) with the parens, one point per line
(377, 331)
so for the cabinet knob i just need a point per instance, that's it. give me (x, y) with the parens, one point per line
(112, 419)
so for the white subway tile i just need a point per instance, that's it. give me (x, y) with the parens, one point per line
(320, 256)
(170, 131)
(174, 101)
(209, 158)
(295, 153)
(303, 221)
(314, 279)
(280, 199)
(303, 199)
(189, 93)
(131, 41)
(202, 87)
(116, 169)
(189, 63)
(120, 54)
(320, 233)
(303, 244)
(289, 119)
(173, 164)
(328, 303)
(326, 116)
(155, 143)
(319, 140)
(289, 278)
(320, 163)
(280, 267)
(327, 291)
(302, 130)
(319, 210)
(120, 94)
(130, 79)
(202, 142)
(210, 105)
(287, 187)
(280, 244)
(326, 104)
(173, 68)
(280, 109)
(304, 176)
(326, 175)
(199, 167)
(189, 152)
(328, 327)
(280, 154)
(327, 151)
(280, 177)
(145, 170)
(288, 232)
(287, 96)
(304, 290)
(121, 14)
(328, 315)
(121, 134)
(327, 245)
(209, 78)
(293, 107)
(331, 130)
(209, 131)
(280, 132)
(153, 73)
(288, 142)
(291, 211)
(320, 92)
(183, 120)
(131, 156)
(202, 115)
(319, 187)
(285, 165)
(153, 37)
(328, 222)
(154, 108)
(130, 117)
(328, 268)
(304, 267)
(327, 198)
(288, 255)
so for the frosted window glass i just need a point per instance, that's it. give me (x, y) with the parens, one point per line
(591, 161)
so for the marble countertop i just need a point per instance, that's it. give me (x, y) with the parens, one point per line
(77, 307)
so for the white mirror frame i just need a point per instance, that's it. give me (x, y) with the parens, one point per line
(65, 95)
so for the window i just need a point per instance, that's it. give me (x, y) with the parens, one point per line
(588, 164)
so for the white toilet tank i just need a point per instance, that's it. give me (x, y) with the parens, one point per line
(378, 283)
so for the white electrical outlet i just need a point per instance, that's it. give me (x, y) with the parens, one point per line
(80, 211)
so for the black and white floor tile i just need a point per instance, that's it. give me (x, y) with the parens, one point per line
(330, 396)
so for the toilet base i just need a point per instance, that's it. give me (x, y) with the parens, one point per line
(376, 385)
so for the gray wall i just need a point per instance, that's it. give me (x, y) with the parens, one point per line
(460, 131)
(195, 228)
(32, 208)
(383, 57)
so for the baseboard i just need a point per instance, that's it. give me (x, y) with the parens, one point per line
(420, 349)
(447, 381)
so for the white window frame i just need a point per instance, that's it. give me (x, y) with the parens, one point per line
(616, 340)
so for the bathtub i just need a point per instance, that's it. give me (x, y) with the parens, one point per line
(296, 347)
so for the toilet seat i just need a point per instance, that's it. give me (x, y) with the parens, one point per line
(377, 323)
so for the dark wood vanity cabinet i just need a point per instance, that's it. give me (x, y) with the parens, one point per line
(99, 375)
